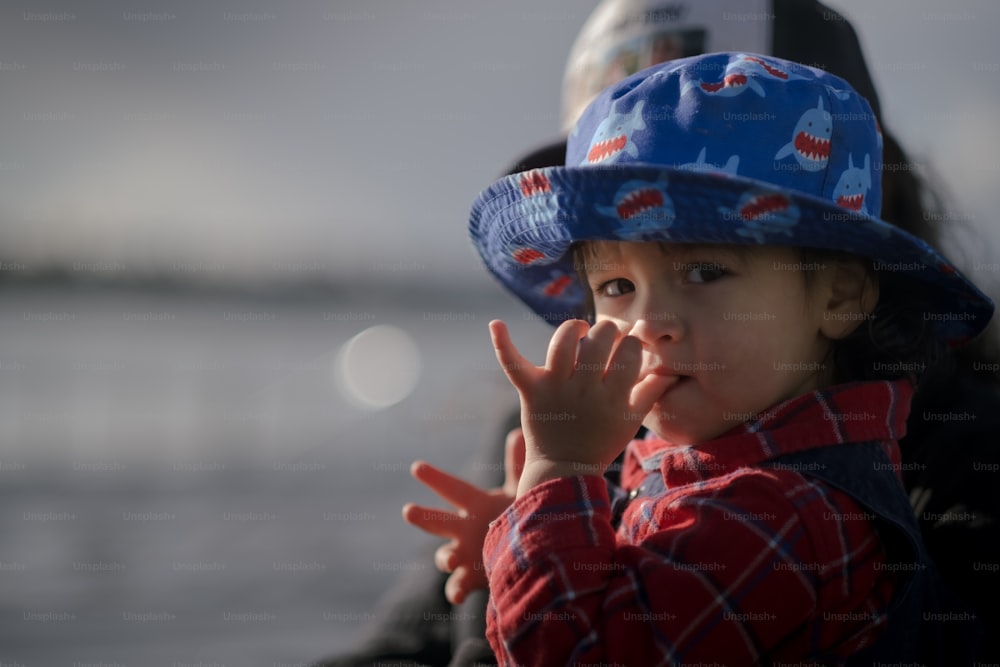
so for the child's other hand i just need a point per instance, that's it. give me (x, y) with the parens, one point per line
(466, 529)
(582, 408)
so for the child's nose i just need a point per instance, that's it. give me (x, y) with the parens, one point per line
(656, 327)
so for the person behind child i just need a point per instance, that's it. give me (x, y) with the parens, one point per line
(743, 302)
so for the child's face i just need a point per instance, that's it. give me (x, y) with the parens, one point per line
(739, 328)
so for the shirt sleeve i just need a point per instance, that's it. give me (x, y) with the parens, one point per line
(692, 578)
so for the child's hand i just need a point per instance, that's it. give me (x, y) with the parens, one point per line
(582, 408)
(466, 528)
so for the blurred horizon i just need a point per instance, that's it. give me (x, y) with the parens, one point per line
(330, 142)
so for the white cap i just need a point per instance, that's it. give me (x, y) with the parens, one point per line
(622, 37)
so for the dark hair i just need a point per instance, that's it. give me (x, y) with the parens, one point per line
(916, 205)
(894, 341)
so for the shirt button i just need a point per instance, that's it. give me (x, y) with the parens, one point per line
(634, 493)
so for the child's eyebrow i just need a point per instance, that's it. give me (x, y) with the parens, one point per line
(596, 258)
(597, 265)
(606, 258)
(732, 255)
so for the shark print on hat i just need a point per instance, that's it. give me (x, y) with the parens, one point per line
(853, 185)
(760, 66)
(763, 212)
(641, 207)
(810, 142)
(735, 81)
(539, 238)
(527, 256)
(699, 165)
(534, 182)
(614, 136)
(557, 284)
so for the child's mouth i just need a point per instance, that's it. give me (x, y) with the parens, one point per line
(678, 379)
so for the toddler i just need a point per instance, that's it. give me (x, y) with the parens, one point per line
(714, 261)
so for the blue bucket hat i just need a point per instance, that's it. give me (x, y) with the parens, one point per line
(728, 148)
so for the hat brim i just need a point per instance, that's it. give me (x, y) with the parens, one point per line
(525, 224)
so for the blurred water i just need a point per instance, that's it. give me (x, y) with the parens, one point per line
(182, 481)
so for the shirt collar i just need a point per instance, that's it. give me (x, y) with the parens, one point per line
(853, 412)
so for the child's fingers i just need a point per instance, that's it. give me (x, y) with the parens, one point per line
(434, 521)
(463, 581)
(645, 394)
(561, 358)
(456, 491)
(518, 369)
(453, 589)
(595, 348)
(446, 557)
(623, 368)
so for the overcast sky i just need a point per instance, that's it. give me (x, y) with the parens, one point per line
(348, 139)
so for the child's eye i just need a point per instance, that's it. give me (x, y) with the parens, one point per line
(616, 287)
(704, 272)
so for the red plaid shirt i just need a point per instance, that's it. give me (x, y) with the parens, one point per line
(733, 563)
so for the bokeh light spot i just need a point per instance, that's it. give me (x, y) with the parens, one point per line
(378, 367)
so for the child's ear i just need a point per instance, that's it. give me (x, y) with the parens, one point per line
(850, 291)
